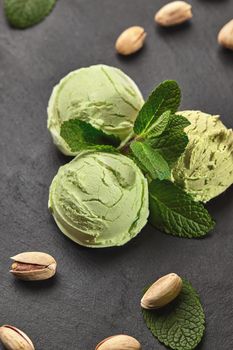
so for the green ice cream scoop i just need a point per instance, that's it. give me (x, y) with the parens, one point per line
(205, 169)
(100, 95)
(99, 199)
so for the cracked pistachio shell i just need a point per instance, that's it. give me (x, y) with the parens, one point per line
(14, 339)
(173, 13)
(131, 40)
(119, 342)
(225, 36)
(162, 292)
(37, 266)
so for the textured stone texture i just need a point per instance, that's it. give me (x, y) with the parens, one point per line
(97, 292)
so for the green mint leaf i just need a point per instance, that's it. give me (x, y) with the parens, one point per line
(178, 122)
(165, 97)
(159, 126)
(26, 13)
(173, 141)
(181, 324)
(80, 135)
(152, 161)
(175, 212)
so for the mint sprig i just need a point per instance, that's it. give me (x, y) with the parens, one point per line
(165, 97)
(151, 161)
(80, 135)
(181, 324)
(26, 13)
(175, 212)
(166, 136)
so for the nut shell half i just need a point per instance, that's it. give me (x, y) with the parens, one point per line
(14, 339)
(131, 40)
(174, 13)
(225, 36)
(33, 266)
(162, 292)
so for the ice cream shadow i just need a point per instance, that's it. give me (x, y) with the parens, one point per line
(218, 205)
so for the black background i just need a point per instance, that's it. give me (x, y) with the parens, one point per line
(96, 292)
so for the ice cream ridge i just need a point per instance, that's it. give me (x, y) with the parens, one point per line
(100, 95)
(205, 169)
(99, 199)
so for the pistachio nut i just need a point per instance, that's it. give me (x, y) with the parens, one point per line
(162, 292)
(33, 266)
(225, 36)
(131, 40)
(14, 339)
(119, 342)
(175, 12)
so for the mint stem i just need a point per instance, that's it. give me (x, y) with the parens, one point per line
(125, 145)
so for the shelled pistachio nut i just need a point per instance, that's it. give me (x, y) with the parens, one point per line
(14, 339)
(131, 40)
(162, 292)
(119, 342)
(173, 13)
(225, 36)
(33, 266)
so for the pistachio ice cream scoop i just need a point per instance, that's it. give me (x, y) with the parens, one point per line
(205, 169)
(100, 95)
(99, 199)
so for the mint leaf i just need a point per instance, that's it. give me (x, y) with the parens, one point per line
(178, 122)
(173, 141)
(80, 135)
(181, 324)
(175, 212)
(166, 96)
(26, 13)
(152, 161)
(159, 125)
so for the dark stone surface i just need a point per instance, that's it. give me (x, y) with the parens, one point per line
(96, 292)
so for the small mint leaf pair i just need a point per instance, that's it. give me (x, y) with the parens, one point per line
(80, 135)
(157, 124)
(164, 143)
(26, 13)
(165, 97)
(181, 324)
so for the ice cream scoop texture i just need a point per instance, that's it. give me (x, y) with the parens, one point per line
(205, 169)
(99, 199)
(101, 95)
